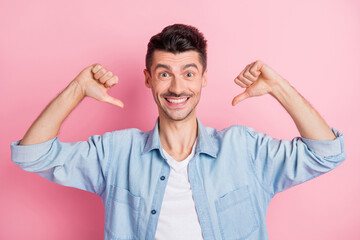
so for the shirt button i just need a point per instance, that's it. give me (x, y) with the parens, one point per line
(162, 178)
(153, 211)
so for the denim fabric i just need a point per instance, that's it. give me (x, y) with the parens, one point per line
(234, 174)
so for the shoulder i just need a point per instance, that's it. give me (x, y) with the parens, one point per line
(127, 133)
(231, 130)
(118, 136)
(236, 133)
(125, 136)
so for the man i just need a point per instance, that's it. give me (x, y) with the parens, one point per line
(181, 180)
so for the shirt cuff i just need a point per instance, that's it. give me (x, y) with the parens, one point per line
(327, 148)
(27, 153)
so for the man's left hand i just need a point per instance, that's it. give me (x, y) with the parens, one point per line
(258, 79)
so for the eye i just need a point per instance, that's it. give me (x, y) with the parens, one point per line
(189, 74)
(164, 74)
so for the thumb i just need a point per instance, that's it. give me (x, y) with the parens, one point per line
(114, 101)
(242, 96)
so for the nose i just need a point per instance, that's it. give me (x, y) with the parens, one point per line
(176, 85)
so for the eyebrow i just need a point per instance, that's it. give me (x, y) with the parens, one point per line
(159, 65)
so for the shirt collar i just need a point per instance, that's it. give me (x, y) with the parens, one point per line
(205, 142)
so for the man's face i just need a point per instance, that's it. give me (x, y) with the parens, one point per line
(176, 81)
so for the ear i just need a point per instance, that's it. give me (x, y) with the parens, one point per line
(204, 79)
(147, 78)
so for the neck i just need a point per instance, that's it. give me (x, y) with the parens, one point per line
(178, 137)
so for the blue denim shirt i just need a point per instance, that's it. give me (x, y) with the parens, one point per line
(234, 174)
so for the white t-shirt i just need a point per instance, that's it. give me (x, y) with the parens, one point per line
(178, 219)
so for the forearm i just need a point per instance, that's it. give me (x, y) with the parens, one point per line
(308, 121)
(48, 123)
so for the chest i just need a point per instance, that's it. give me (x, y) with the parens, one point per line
(138, 189)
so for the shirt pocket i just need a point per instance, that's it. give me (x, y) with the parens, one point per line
(122, 214)
(236, 214)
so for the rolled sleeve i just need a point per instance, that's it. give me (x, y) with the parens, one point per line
(75, 164)
(281, 164)
(327, 148)
(27, 153)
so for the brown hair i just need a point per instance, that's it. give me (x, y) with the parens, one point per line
(177, 38)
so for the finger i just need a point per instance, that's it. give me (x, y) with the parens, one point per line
(243, 78)
(250, 74)
(100, 73)
(256, 68)
(250, 77)
(106, 77)
(240, 97)
(96, 67)
(241, 74)
(246, 81)
(241, 84)
(111, 82)
(114, 101)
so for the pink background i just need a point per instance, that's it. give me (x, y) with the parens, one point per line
(45, 44)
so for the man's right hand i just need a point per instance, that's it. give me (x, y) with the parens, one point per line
(95, 81)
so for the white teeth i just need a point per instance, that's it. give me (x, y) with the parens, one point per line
(176, 100)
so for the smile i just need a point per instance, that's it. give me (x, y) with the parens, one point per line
(176, 102)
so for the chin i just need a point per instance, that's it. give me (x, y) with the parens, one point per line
(178, 117)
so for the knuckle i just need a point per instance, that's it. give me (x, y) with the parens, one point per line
(259, 62)
(108, 84)
(100, 73)
(96, 68)
(102, 80)
(111, 82)
(96, 76)
(241, 84)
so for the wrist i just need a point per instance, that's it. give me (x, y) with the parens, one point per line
(281, 90)
(76, 89)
